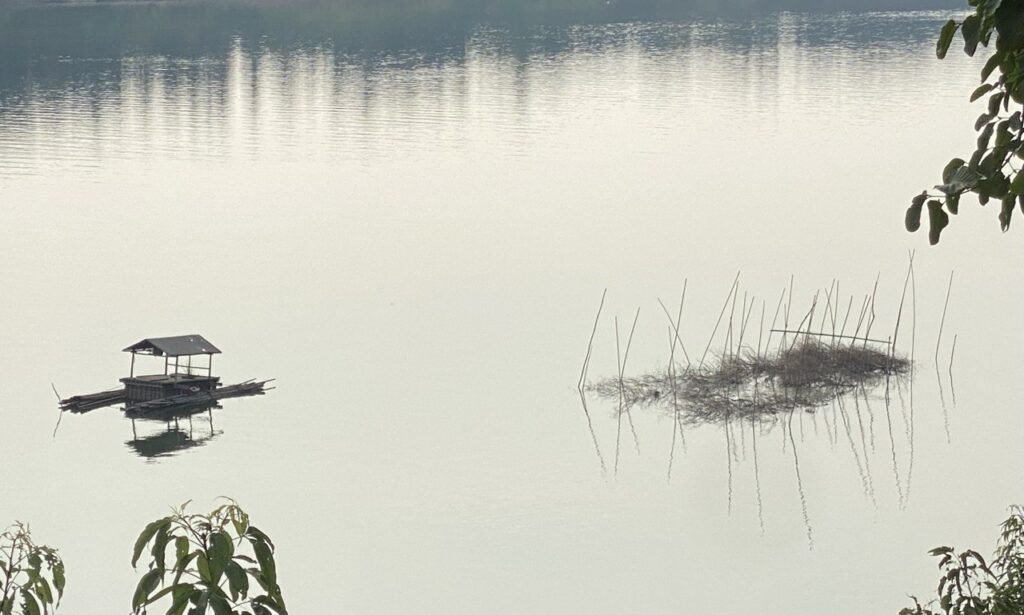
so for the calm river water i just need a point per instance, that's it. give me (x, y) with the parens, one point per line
(412, 237)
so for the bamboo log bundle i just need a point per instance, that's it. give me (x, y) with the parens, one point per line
(79, 404)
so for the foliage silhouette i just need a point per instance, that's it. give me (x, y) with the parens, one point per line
(991, 172)
(970, 586)
(213, 558)
(30, 574)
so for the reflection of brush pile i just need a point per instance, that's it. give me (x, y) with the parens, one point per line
(805, 375)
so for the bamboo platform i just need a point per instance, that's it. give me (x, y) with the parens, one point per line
(168, 405)
(147, 388)
(182, 403)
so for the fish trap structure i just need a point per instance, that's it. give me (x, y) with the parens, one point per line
(187, 381)
(809, 366)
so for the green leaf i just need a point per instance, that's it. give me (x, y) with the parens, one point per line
(239, 520)
(219, 605)
(993, 103)
(258, 576)
(182, 595)
(219, 554)
(947, 173)
(259, 609)
(1003, 135)
(1006, 212)
(981, 90)
(983, 119)
(254, 534)
(180, 548)
(937, 220)
(991, 65)
(146, 535)
(994, 186)
(238, 581)
(58, 579)
(221, 548)
(1008, 24)
(976, 159)
(203, 565)
(1014, 122)
(945, 38)
(29, 603)
(953, 203)
(993, 162)
(200, 599)
(972, 553)
(970, 30)
(147, 584)
(913, 218)
(266, 559)
(43, 592)
(159, 551)
(1017, 184)
(268, 601)
(170, 589)
(182, 565)
(989, 7)
(985, 136)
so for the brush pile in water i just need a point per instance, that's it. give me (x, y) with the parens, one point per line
(806, 374)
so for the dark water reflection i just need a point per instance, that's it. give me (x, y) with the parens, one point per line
(125, 86)
(208, 29)
(173, 436)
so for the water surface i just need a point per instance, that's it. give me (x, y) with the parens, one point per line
(413, 239)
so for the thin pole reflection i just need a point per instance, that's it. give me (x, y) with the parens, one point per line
(800, 490)
(892, 446)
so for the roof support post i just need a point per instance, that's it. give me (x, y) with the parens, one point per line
(131, 373)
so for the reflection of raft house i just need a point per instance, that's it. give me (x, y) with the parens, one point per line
(180, 377)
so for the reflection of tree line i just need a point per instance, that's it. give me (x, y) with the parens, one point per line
(437, 31)
(80, 66)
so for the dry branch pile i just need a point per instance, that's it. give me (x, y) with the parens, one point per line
(805, 374)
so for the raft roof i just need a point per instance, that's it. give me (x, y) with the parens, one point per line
(176, 346)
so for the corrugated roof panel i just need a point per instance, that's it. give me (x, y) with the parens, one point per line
(177, 346)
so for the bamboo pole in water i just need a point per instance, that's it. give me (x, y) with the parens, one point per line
(721, 314)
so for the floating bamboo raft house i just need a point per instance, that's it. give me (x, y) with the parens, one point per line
(183, 384)
(177, 378)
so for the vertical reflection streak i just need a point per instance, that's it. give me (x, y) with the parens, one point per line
(800, 489)
(757, 475)
(892, 446)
